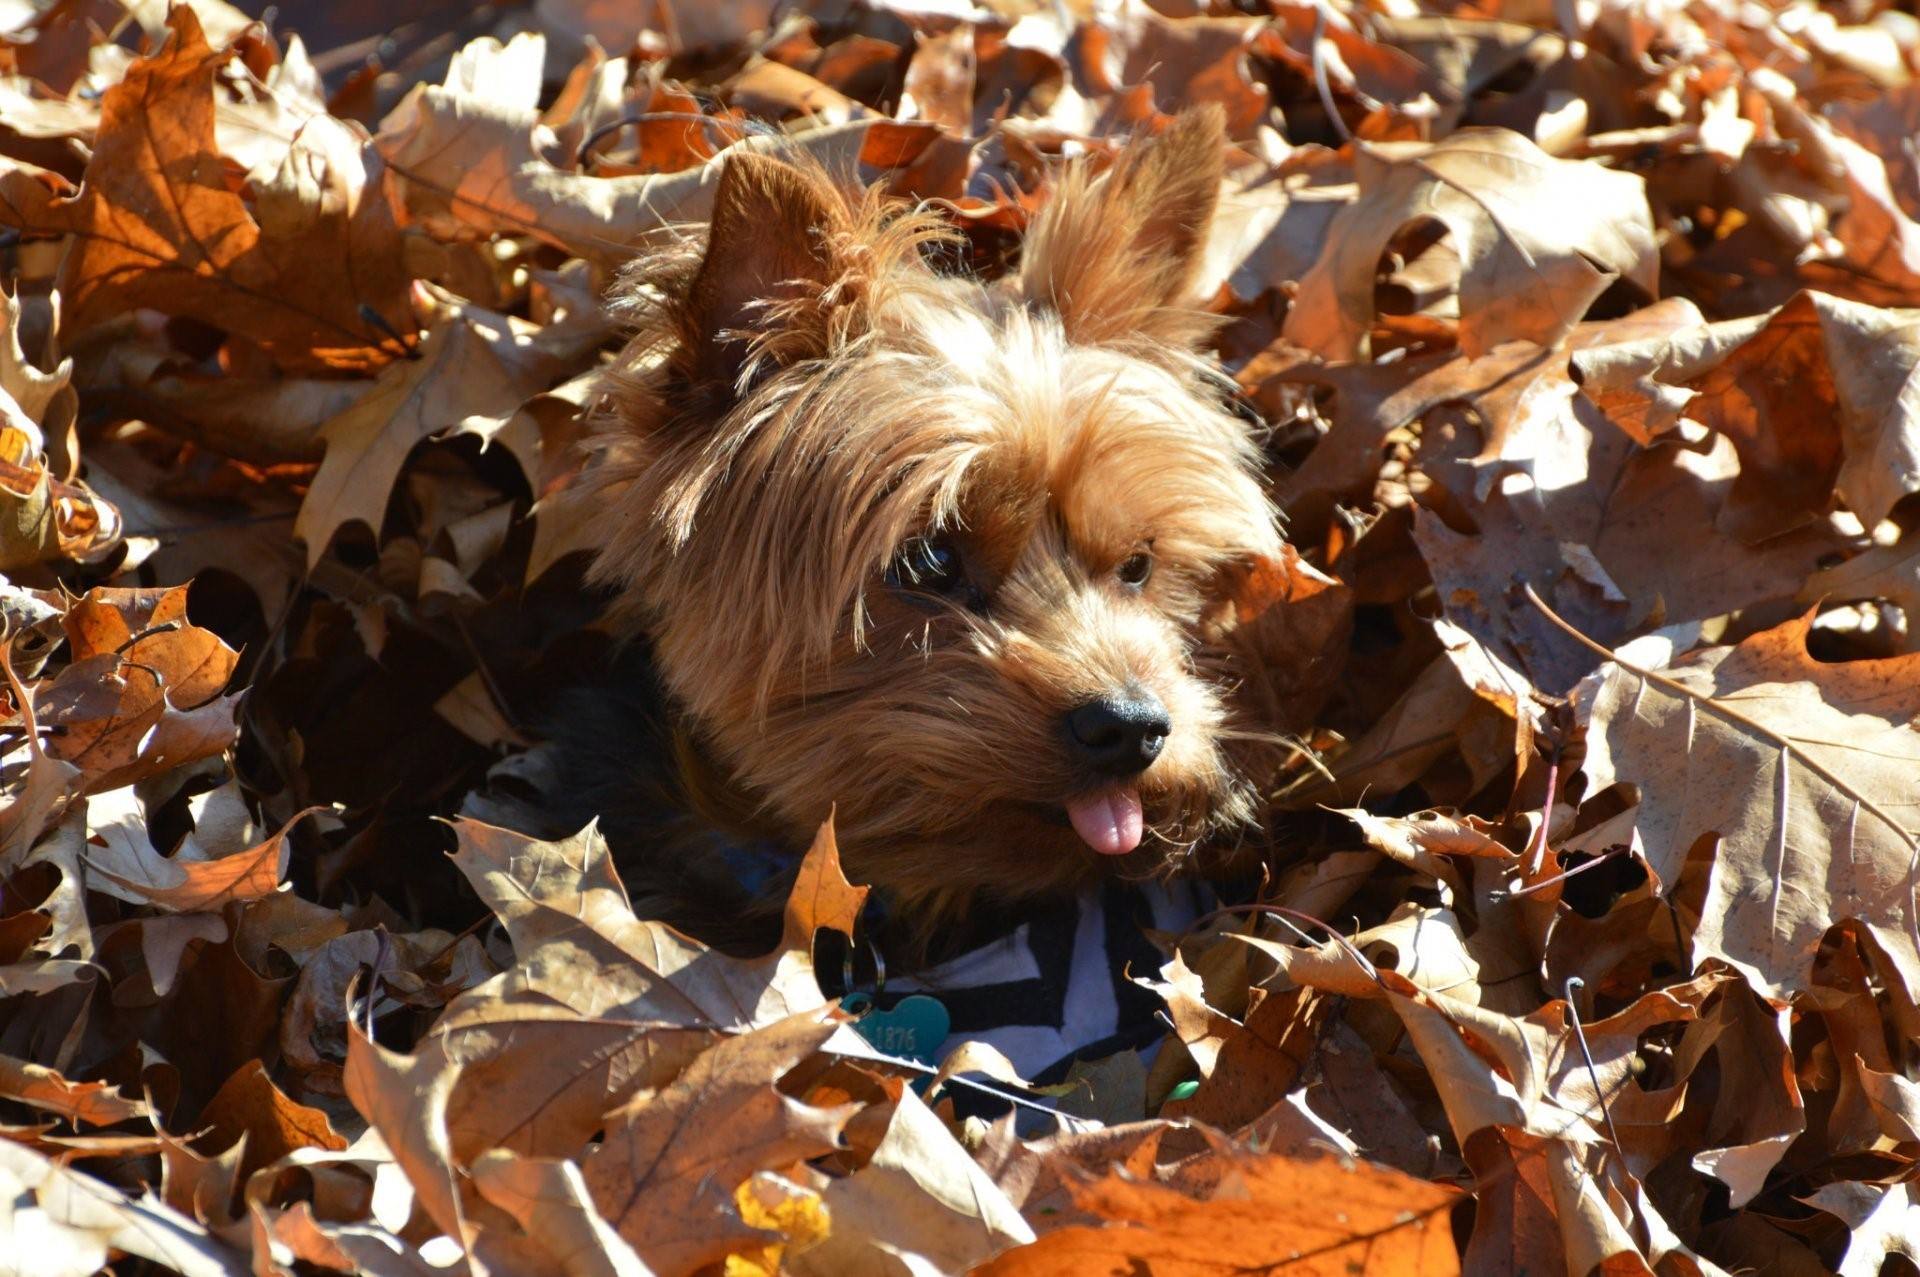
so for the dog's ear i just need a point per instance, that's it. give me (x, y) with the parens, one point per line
(1115, 256)
(772, 255)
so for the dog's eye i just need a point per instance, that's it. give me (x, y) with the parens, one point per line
(1135, 569)
(929, 564)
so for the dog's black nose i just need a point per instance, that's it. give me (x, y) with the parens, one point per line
(1120, 733)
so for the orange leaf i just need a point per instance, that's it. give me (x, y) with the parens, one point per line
(43, 1088)
(249, 1105)
(158, 223)
(1273, 1215)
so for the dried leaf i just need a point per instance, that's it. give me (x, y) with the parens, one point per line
(156, 223)
(249, 1106)
(563, 898)
(470, 163)
(1769, 752)
(197, 880)
(1271, 1214)
(472, 373)
(1881, 1220)
(69, 1223)
(666, 1173)
(919, 1201)
(43, 1088)
(549, 1200)
(1530, 262)
(1817, 398)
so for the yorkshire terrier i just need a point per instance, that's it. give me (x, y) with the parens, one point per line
(957, 562)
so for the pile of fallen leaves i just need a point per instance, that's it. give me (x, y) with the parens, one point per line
(1591, 944)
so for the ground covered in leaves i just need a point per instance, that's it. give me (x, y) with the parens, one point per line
(1578, 330)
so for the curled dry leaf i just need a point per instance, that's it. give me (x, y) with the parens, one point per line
(1881, 1219)
(422, 969)
(472, 163)
(1896, 1103)
(920, 1202)
(1200, 59)
(1538, 240)
(1546, 494)
(249, 1106)
(471, 374)
(143, 693)
(46, 513)
(1818, 398)
(201, 213)
(548, 1198)
(1369, 404)
(198, 878)
(1254, 1062)
(43, 1088)
(1418, 840)
(43, 518)
(646, 969)
(1272, 225)
(74, 1222)
(629, 1028)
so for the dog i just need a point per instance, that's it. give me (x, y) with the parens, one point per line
(957, 563)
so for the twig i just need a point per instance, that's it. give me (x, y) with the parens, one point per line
(1320, 81)
(1544, 883)
(165, 627)
(1573, 986)
(1537, 851)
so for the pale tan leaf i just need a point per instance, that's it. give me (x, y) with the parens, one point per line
(578, 940)
(96, 1102)
(549, 1199)
(469, 163)
(1816, 396)
(1881, 1220)
(1417, 839)
(131, 868)
(1538, 238)
(56, 1222)
(1800, 770)
(46, 783)
(920, 1199)
(1896, 1100)
(33, 391)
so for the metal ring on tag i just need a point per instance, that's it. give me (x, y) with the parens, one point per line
(879, 968)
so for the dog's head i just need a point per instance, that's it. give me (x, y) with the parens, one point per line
(939, 555)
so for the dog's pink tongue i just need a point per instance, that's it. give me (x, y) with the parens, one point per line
(1109, 821)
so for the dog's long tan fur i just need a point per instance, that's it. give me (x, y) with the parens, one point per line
(804, 396)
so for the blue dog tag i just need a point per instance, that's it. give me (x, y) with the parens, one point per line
(914, 1027)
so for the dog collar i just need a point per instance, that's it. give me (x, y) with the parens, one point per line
(1060, 985)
